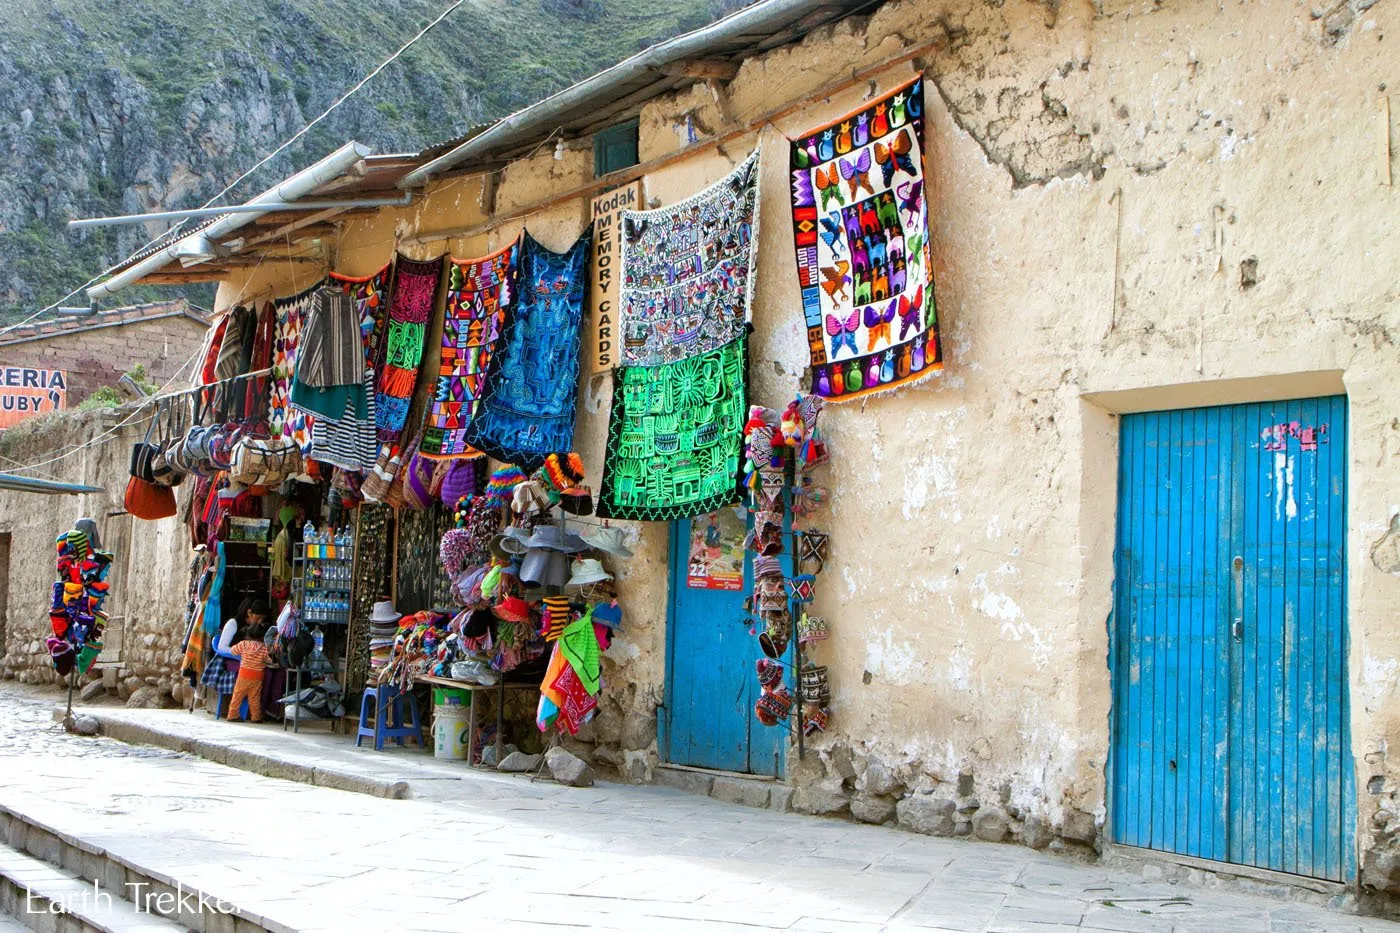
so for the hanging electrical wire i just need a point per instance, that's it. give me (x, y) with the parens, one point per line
(266, 159)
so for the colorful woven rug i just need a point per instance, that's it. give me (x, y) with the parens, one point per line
(675, 437)
(370, 294)
(687, 271)
(863, 260)
(478, 293)
(415, 288)
(283, 420)
(527, 408)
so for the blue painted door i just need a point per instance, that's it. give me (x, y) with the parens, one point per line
(711, 684)
(1230, 736)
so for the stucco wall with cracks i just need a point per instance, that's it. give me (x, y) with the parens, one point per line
(1135, 206)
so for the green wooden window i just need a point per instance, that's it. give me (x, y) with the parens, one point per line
(615, 148)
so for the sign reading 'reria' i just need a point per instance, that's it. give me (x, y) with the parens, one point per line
(26, 391)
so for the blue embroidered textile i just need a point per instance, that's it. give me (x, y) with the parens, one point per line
(527, 408)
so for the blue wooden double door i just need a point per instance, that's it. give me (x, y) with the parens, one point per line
(1228, 643)
(711, 685)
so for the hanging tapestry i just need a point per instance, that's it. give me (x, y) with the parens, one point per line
(675, 437)
(415, 288)
(369, 293)
(863, 260)
(283, 420)
(478, 293)
(527, 408)
(687, 271)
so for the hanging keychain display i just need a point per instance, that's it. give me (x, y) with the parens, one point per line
(781, 451)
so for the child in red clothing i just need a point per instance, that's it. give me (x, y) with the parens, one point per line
(252, 661)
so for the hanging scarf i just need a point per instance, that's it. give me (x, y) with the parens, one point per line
(264, 335)
(527, 409)
(415, 289)
(478, 293)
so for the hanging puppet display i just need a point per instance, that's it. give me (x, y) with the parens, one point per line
(78, 596)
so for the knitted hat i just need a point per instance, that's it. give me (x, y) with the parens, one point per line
(557, 616)
(503, 483)
(455, 550)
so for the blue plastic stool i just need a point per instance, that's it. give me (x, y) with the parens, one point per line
(388, 700)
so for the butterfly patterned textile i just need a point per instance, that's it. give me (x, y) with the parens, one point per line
(864, 265)
(675, 437)
(479, 292)
(527, 410)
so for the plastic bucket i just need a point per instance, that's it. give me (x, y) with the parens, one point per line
(451, 732)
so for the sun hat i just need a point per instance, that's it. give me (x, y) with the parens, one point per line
(544, 567)
(515, 540)
(609, 539)
(552, 538)
(586, 571)
(577, 501)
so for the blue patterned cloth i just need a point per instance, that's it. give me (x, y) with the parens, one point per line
(220, 675)
(527, 409)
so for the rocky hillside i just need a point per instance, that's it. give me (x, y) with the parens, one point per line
(123, 106)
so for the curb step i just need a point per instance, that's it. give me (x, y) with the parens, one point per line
(761, 793)
(65, 870)
(246, 760)
(44, 898)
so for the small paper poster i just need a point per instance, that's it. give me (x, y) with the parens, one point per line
(717, 551)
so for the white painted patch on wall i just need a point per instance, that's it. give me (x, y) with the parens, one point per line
(896, 663)
(994, 527)
(1003, 608)
(850, 579)
(1378, 679)
(1285, 503)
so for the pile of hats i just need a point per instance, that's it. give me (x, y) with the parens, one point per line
(383, 628)
(78, 595)
(780, 450)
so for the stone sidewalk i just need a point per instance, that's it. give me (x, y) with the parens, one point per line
(476, 852)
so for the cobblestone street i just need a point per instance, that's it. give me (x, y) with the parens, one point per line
(509, 855)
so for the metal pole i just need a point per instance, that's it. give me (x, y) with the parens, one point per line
(250, 208)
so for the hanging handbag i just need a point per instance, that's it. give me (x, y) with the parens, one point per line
(148, 501)
(164, 471)
(143, 454)
(262, 461)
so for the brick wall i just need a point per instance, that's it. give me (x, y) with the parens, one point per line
(98, 356)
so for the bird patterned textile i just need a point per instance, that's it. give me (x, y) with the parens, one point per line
(479, 291)
(860, 218)
(527, 409)
(675, 435)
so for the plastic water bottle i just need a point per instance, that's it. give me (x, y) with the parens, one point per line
(319, 638)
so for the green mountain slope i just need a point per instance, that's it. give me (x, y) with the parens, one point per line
(123, 106)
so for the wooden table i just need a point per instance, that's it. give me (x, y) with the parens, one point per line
(500, 690)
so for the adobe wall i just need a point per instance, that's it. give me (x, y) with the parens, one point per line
(150, 572)
(1135, 206)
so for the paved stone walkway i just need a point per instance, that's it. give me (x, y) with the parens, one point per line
(497, 853)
